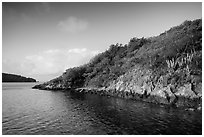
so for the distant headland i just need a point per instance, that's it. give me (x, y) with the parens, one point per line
(165, 69)
(15, 78)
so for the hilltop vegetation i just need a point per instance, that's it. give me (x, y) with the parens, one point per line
(15, 78)
(176, 53)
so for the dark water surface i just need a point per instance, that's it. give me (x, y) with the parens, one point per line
(31, 111)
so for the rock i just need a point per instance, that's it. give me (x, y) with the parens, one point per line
(199, 108)
(185, 91)
(49, 87)
(169, 95)
(147, 89)
(137, 89)
(190, 109)
(119, 85)
(198, 90)
(122, 88)
(186, 97)
(163, 95)
(40, 86)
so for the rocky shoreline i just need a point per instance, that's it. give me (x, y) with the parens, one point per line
(166, 69)
(185, 98)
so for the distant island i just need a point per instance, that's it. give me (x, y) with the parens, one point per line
(15, 78)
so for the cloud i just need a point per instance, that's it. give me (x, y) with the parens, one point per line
(73, 25)
(10, 66)
(55, 61)
(77, 50)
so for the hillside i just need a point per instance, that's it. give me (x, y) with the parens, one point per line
(15, 78)
(145, 66)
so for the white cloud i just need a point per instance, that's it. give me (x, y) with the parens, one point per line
(77, 50)
(55, 61)
(73, 25)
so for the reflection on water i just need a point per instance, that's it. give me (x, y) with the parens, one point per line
(30, 111)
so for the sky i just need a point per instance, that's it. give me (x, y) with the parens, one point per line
(42, 40)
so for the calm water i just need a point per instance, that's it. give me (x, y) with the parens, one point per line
(30, 111)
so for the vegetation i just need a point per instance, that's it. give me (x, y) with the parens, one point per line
(15, 78)
(176, 53)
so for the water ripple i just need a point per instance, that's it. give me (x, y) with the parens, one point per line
(27, 111)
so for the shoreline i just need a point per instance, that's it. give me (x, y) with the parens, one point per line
(187, 103)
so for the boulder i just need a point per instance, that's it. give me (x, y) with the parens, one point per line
(40, 86)
(163, 95)
(147, 88)
(49, 87)
(199, 108)
(137, 89)
(185, 91)
(198, 90)
(169, 95)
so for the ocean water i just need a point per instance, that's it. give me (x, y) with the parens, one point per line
(39, 112)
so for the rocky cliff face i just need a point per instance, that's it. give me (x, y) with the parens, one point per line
(139, 82)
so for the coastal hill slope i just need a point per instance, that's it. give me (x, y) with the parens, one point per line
(15, 78)
(163, 69)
